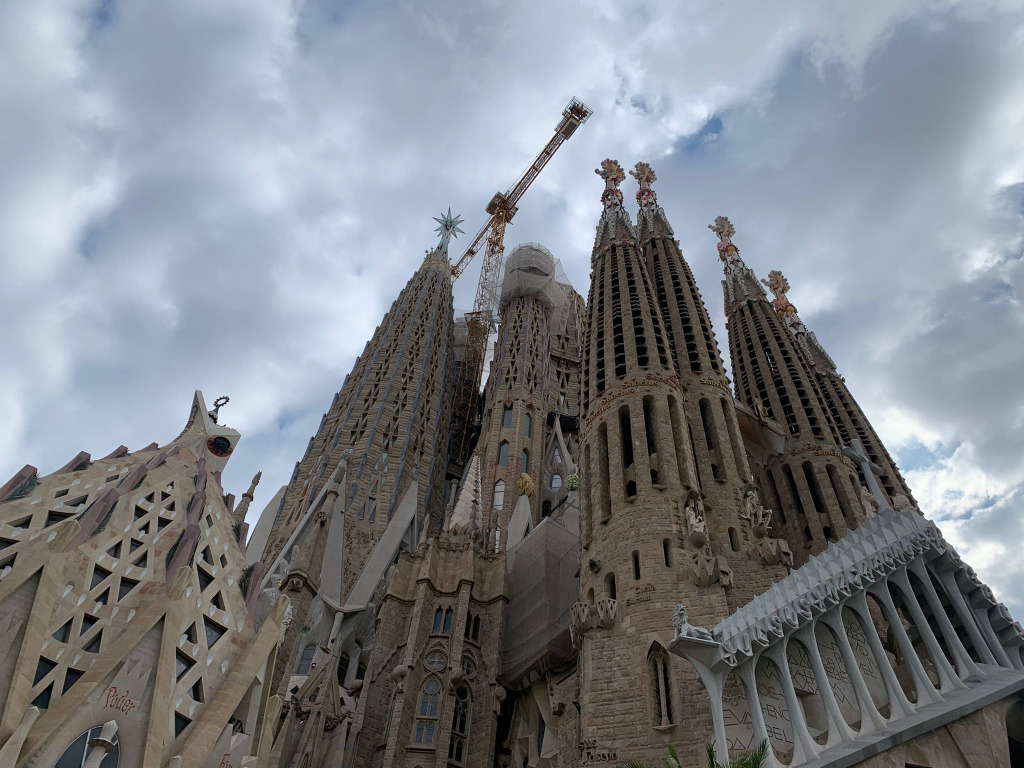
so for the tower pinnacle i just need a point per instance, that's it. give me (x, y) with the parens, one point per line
(779, 285)
(646, 197)
(613, 175)
(449, 228)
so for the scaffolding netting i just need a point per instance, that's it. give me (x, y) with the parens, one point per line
(531, 270)
(543, 586)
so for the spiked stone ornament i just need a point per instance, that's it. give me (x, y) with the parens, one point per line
(613, 175)
(646, 197)
(449, 228)
(785, 309)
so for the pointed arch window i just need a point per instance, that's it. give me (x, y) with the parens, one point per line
(503, 454)
(499, 495)
(660, 676)
(526, 462)
(457, 746)
(426, 715)
(447, 622)
(438, 618)
(528, 425)
(80, 750)
(506, 417)
(306, 660)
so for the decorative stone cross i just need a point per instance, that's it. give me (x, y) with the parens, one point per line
(855, 451)
(613, 175)
(646, 197)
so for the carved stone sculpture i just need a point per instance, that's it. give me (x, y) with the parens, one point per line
(868, 502)
(684, 628)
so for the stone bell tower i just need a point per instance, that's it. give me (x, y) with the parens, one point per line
(644, 541)
(812, 485)
(844, 409)
(736, 519)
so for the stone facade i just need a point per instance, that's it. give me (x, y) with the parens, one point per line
(129, 611)
(528, 614)
(390, 417)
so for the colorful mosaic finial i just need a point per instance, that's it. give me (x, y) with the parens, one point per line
(613, 175)
(727, 251)
(779, 285)
(646, 197)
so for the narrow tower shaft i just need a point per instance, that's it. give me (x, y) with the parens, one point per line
(722, 473)
(849, 419)
(644, 543)
(389, 422)
(811, 484)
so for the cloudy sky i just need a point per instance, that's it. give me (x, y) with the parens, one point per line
(227, 196)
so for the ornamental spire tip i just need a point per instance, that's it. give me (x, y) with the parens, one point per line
(646, 197)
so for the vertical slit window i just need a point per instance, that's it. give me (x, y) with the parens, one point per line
(636, 565)
(626, 446)
(605, 478)
(649, 432)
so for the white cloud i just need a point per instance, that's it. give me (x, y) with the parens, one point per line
(229, 195)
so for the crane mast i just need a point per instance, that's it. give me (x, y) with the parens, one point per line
(481, 320)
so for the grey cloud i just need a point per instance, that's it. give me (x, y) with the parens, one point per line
(228, 196)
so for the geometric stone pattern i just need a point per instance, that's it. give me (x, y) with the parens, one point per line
(124, 603)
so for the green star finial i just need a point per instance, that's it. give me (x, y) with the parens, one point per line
(449, 228)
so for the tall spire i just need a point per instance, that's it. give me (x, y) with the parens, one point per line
(786, 310)
(651, 219)
(613, 216)
(740, 282)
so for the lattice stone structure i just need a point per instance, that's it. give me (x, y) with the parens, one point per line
(812, 486)
(390, 420)
(723, 476)
(643, 534)
(127, 610)
(884, 636)
(849, 419)
(534, 381)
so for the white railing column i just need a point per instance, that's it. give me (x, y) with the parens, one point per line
(964, 663)
(899, 704)
(838, 729)
(804, 746)
(870, 718)
(948, 679)
(748, 675)
(956, 599)
(926, 693)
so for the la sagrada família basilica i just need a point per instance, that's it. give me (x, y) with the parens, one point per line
(635, 554)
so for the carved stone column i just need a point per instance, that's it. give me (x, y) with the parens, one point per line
(870, 718)
(926, 693)
(948, 679)
(838, 729)
(748, 674)
(965, 664)
(804, 746)
(899, 704)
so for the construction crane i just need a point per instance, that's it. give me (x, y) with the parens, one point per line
(481, 321)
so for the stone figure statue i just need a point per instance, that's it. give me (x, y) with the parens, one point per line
(684, 628)
(868, 502)
(696, 525)
(901, 503)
